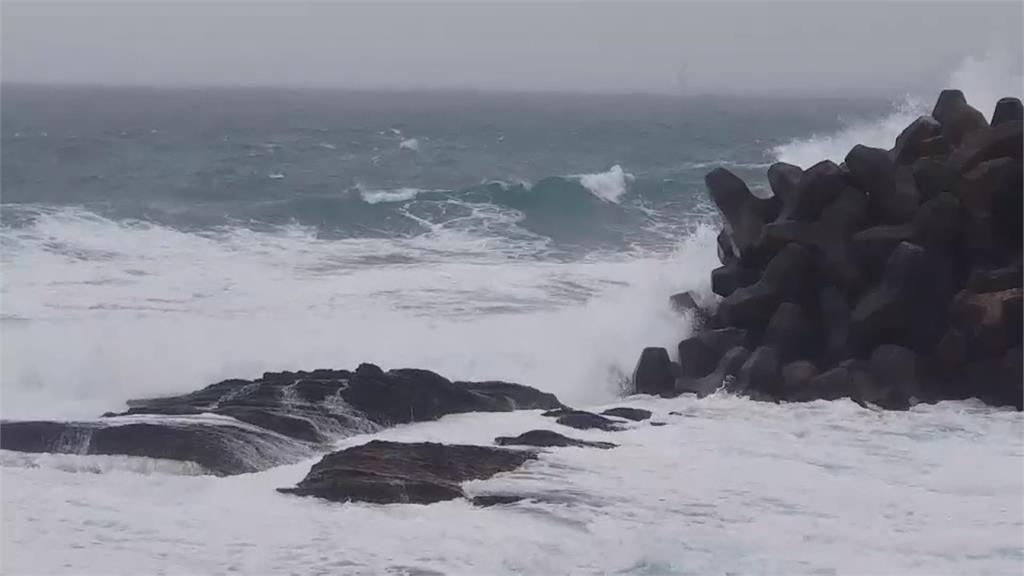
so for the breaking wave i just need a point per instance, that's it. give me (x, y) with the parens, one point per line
(608, 186)
(983, 80)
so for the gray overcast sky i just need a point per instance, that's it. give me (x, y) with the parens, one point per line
(758, 47)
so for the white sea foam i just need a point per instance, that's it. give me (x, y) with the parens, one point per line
(99, 464)
(608, 186)
(97, 312)
(726, 486)
(983, 81)
(410, 144)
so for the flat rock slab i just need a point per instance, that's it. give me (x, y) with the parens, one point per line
(221, 446)
(548, 439)
(581, 420)
(488, 500)
(634, 414)
(412, 473)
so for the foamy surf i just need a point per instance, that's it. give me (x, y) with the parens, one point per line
(983, 81)
(903, 485)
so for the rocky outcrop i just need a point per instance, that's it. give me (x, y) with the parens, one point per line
(548, 439)
(891, 279)
(634, 414)
(415, 473)
(582, 420)
(222, 446)
(239, 426)
(654, 373)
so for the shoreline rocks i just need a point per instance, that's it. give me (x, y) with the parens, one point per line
(891, 279)
(548, 439)
(239, 426)
(384, 472)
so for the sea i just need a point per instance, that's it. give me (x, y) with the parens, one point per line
(155, 240)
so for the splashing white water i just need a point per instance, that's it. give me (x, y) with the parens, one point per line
(608, 186)
(410, 144)
(726, 486)
(97, 312)
(878, 133)
(983, 81)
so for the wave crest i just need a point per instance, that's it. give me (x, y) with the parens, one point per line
(608, 186)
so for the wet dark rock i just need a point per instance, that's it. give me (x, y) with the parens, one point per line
(686, 303)
(990, 321)
(796, 379)
(835, 321)
(937, 224)
(741, 213)
(895, 369)
(279, 418)
(988, 280)
(818, 187)
(1002, 141)
(979, 188)
(654, 372)
(728, 367)
(581, 420)
(998, 380)
(908, 307)
(856, 277)
(921, 139)
(488, 500)
(768, 209)
(761, 372)
(933, 176)
(220, 448)
(891, 189)
(957, 118)
(699, 354)
(548, 439)
(727, 279)
(726, 254)
(292, 425)
(785, 279)
(413, 395)
(950, 356)
(634, 414)
(1009, 386)
(850, 379)
(784, 180)
(1007, 110)
(827, 239)
(789, 332)
(416, 473)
